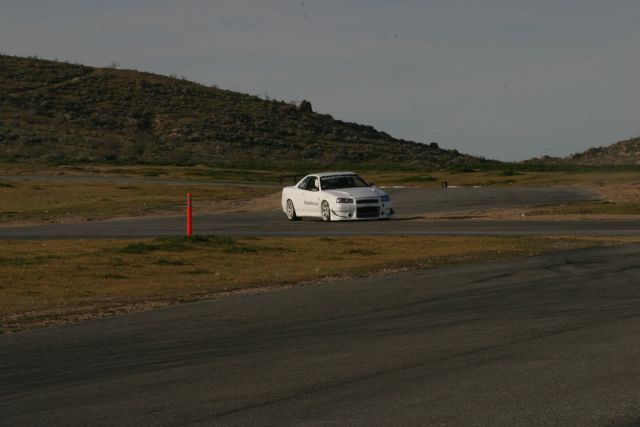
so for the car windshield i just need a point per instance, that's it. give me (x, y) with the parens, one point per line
(334, 182)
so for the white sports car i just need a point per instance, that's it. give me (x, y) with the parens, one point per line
(335, 196)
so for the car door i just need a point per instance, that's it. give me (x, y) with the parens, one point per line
(298, 196)
(309, 194)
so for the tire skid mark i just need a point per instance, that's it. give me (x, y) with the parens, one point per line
(408, 367)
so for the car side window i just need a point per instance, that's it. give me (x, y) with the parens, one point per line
(303, 184)
(309, 184)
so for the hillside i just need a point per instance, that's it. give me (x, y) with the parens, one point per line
(63, 112)
(625, 152)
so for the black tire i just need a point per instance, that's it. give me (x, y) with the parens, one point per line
(291, 211)
(325, 211)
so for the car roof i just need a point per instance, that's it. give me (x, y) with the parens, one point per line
(323, 174)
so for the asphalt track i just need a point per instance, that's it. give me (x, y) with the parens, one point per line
(544, 340)
(409, 204)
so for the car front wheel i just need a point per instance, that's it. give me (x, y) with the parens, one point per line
(291, 212)
(325, 211)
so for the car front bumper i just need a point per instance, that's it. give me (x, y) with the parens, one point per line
(356, 212)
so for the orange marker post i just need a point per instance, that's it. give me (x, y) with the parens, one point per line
(189, 216)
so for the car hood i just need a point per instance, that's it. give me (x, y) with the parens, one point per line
(357, 192)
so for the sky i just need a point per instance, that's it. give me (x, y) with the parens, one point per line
(503, 79)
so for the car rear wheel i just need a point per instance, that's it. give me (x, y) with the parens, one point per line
(325, 211)
(291, 211)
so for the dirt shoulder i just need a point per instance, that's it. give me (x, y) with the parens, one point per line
(39, 200)
(269, 202)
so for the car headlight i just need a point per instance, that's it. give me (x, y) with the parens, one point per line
(385, 198)
(344, 200)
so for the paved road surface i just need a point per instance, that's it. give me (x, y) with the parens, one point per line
(408, 202)
(546, 340)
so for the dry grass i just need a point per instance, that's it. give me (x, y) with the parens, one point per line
(505, 179)
(47, 199)
(61, 281)
(57, 201)
(403, 178)
(148, 172)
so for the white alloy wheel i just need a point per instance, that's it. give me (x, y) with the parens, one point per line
(291, 211)
(325, 211)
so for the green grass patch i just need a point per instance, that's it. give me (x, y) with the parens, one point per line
(197, 271)
(14, 261)
(176, 244)
(509, 172)
(23, 260)
(136, 248)
(167, 261)
(360, 251)
(245, 249)
(463, 169)
(114, 276)
(151, 173)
